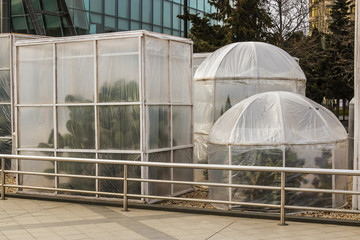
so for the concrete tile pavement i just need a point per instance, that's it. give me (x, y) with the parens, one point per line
(35, 219)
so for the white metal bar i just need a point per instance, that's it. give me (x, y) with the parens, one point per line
(80, 104)
(96, 113)
(189, 165)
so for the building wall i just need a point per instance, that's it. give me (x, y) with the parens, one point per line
(320, 14)
(99, 16)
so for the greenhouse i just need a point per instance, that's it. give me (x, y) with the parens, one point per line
(7, 42)
(233, 73)
(279, 129)
(125, 96)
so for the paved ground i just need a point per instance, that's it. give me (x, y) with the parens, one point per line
(33, 219)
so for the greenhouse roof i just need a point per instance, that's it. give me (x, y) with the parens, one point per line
(277, 118)
(249, 60)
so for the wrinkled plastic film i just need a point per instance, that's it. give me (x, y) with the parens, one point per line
(156, 70)
(114, 170)
(118, 70)
(5, 52)
(182, 174)
(75, 67)
(159, 127)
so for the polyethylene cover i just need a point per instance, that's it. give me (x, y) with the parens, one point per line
(249, 60)
(277, 118)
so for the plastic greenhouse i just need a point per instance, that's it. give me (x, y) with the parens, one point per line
(233, 73)
(279, 129)
(121, 96)
(7, 42)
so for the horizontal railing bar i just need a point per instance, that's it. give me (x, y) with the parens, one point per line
(332, 191)
(193, 166)
(205, 201)
(321, 209)
(205, 184)
(64, 190)
(64, 175)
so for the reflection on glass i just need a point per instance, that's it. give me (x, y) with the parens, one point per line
(76, 127)
(119, 127)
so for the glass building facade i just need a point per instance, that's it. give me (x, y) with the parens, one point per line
(65, 17)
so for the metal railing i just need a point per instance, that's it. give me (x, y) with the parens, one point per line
(125, 195)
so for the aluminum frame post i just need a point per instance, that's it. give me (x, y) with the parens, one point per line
(282, 203)
(125, 199)
(2, 178)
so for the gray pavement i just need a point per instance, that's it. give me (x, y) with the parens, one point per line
(35, 219)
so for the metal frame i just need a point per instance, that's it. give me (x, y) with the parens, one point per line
(143, 150)
(283, 189)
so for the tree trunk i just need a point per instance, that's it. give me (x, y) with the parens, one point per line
(337, 107)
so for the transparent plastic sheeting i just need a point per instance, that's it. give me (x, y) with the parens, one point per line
(277, 118)
(249, 60)
(94, 92)
(313, 156)
(236, 72)
(279, 129)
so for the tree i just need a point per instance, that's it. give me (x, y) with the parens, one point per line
(288, 17)
(233, 21)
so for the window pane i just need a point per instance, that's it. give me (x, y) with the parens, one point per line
(157, 12)
(36, 127)
(135, 26)
(35, 72)
(119, 127)
(123, 8)
(201, 4)
(49, 5)
(110, 7)
(123, 24)
(110, 25)
(118, 70)
(167, 14)
(75, 72)
(17, 7)
(76, 127)
(146, 11)
(135, 10)
(158, 122)
(96, 6)
(19, 24)
(176, 20)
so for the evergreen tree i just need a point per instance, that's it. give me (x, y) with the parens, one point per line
(233, 21)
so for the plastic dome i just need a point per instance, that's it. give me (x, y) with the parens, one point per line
(249, 60)
(277, 118)
(279, 129)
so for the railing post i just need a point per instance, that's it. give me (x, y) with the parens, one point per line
(2, 178)
(282, 203)
(125, 200)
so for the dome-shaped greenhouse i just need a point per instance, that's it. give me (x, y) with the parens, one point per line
(279, 129)
(234, 73)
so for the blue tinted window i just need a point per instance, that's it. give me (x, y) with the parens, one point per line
(135, 26)
(96, 6)
(147, 27)
(123, 8)
(110, 22)
(167, 14)
(201, 4)
(135, 9)
(192, 3)
(123, 24)
(176, 20)
(110, 7)
(146, 11)
(157, 29)
(157, 12)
